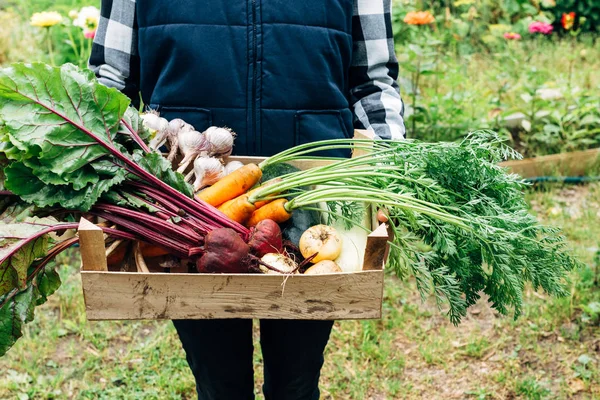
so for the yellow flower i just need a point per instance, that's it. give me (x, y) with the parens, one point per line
(419, 18)
(73, 14)
(45, 19)
(463, 2)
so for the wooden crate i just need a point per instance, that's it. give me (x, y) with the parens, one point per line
(576, 163)
(134, 295)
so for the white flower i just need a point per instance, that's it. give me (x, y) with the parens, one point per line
(87, 19)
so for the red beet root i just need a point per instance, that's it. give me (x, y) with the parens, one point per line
(266, 238)
(224, 252)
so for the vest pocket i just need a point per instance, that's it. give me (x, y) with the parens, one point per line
(312, 126)
(200, 118)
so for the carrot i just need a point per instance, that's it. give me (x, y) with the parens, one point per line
(275, 210)
(225, 205)
(117, 255)
(232, 185)
(239, 209)
(257, 204)
(150, 250)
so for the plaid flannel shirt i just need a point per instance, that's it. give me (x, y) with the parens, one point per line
(374, 92)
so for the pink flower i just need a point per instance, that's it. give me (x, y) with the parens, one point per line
(512, 36)
(89, 34)
(540, 27)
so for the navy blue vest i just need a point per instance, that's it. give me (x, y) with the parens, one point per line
(275, 71)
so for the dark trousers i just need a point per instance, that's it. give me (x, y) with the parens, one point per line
(219, 353)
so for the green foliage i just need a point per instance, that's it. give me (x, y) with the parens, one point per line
(503, 246)
(22, 287)
(560, 130)
(589, 9)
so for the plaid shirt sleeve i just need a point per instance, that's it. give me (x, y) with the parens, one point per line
(114, 58)
(374, 93)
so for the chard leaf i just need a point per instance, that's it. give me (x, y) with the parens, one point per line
(22, 181)
(19, 248)
(46, 110)
(16, 311)
(158, 166)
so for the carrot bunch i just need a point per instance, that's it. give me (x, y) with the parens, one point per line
(234, 196)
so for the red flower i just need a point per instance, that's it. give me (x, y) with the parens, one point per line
(568, 20)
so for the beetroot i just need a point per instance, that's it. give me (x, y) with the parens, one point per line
(224, 252)
(265, 238)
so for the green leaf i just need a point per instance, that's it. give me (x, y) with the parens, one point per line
(22, 181)
(45, 109)
(158, 166)
(13, 270)
(47, 282)
(13, 315)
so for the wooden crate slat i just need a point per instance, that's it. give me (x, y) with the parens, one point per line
(576, 163)
(124, 296)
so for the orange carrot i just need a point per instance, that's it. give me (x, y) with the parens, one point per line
(118, 255)
(247, 195)
(225, 205)
(232, 185)
(275, 210)
(239, 210)
(151, 250)
(261, 203)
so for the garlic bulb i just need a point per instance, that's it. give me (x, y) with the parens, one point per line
(158, 126)
(191, 143)
(220, 141)
(177, 124)
(232, 166)
(208, 170)
(153, 121)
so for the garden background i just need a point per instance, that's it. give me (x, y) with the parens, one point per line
(528, 69)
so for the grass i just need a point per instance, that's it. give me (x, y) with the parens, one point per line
(413, 352)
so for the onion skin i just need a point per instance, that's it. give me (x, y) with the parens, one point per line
(323, 267)
(323, 240)
(224, 252)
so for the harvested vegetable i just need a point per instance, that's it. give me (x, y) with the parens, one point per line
(239, 209)
(219, 141)
(208, 171)
(275, 210)
(231, 186)
(323, 240)
(301, 220)
(232, 166)
(323, 267)
(224, 252)
(277, 263)
(158, 125)
(354, 243)
(266, 238)
(150, 250)
(191, 143)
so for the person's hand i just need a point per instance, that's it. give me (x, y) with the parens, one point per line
(382, 215)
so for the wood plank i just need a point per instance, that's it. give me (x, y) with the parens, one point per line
(91, 245)
(577, 163)
(124, 295)
(376, 250)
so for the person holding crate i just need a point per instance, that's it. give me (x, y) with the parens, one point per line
(279, 74)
